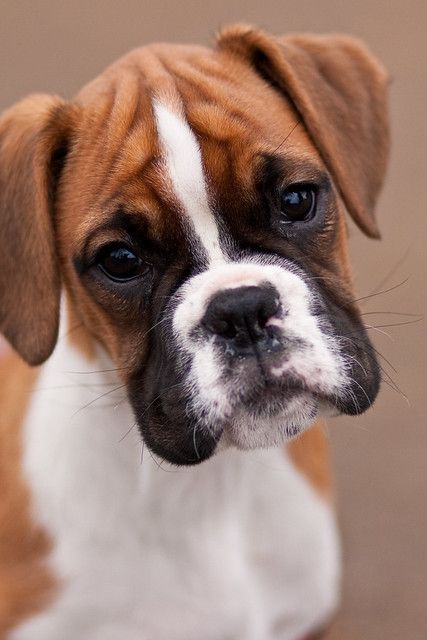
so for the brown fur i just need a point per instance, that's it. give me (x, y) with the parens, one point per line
(310, 455)
(25, 583)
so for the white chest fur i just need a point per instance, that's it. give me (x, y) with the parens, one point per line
(238, 548)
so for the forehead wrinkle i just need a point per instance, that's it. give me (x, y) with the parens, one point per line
(183, 161)
(116, 140)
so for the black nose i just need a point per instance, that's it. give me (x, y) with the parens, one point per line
(240, 317)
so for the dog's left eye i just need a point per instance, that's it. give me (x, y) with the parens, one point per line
(297, 203)
(120, 263)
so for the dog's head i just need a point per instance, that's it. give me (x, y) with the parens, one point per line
(192, 203)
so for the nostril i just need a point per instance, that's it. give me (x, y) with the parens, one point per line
(266, 311)
(227, 329)
(221, 327)
(262, 318)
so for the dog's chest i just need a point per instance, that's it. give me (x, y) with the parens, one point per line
(238, 547)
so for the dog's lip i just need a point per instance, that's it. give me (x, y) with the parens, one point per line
(290, 384)
(270, 396)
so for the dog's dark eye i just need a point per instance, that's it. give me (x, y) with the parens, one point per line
(297, 204)
(120, 263)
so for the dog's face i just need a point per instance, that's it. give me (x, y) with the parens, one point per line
(199, 226)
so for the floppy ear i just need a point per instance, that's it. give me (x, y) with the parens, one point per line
(33, 138)
(339, 90)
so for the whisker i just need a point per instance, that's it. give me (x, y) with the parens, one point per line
(128, 432)
(69, 331)
(159, 464)
(77, 385)
(385, 359)
(394, 269)
(390, 379)
(81, 373)
(355, 339)
(378, 330)
(355, 402)
(161, 321)
(390, 382)
(357, 362)
(178, 384)
(395, 313)
(103, 395)
(194, 441)
(378, 293)
(398, 391)
(288, 136)
(396, 324)
(362, 390)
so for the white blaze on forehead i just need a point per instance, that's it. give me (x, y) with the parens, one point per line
(185, 168)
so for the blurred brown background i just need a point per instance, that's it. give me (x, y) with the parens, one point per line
(380, 458)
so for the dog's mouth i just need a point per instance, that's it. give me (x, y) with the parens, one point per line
(271, 411)
(264, 388)
(264, 412)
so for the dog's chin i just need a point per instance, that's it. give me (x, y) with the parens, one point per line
(249, 429)
(251, 426)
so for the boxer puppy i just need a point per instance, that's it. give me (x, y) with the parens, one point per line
(189, 207)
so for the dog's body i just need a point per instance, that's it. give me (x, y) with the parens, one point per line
(158, 178)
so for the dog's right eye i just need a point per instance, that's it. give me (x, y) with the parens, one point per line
(297, 204)
(120, 263)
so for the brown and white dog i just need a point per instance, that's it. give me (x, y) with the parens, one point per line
(186, 213)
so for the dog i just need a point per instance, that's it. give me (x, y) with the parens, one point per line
(174, 254)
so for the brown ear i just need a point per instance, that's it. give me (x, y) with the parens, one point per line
(339, 90)
(33, 137)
